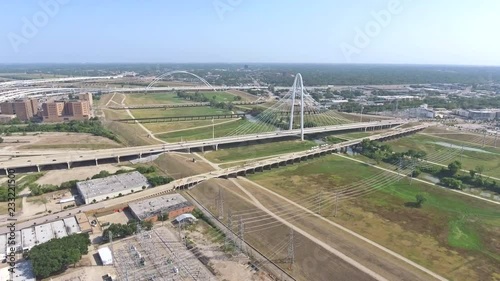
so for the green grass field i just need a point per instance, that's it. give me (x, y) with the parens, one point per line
(444, 234)
(257, 151)
(238, 127)
(490, 159)
(171, 112)
(182, 125)
(171, 98)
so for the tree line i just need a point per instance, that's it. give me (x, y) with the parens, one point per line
(56, 255)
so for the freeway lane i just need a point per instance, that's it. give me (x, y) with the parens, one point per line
(191, 181)
(95, 155)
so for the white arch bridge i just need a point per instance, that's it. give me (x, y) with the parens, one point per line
(170, 73)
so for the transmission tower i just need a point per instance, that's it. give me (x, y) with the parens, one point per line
(291, 249)
(230, 227)
(241, 232)
(220, 205)
(336, 203)
(318, 202)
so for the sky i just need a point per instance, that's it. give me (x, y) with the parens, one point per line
(464, 32)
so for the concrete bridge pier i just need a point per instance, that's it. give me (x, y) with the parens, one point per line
(118, 159)
(96, 163)
(37, 168)
(69, 165)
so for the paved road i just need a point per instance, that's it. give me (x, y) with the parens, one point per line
(79, 156)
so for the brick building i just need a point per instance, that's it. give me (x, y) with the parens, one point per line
(172, 205)
(24, 109)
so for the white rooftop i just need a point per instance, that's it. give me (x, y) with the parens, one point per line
(59, 229)
(105, 255)
(28, 238)
(182, 217)
(158, 205)
(44, 233)
(112, 184)
(71, 225)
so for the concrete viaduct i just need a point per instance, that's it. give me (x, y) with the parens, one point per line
(43, 160)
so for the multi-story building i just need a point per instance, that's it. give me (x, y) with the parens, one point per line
(24, 109)
(87, 97)
(58, 111)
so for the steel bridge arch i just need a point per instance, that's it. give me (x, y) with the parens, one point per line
(298, 85)
(176, 72)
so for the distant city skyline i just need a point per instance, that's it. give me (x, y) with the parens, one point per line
(239, 31)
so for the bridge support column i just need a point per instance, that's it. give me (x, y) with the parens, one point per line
(118, 159)
(202, 149)
(189, 150)
(6, 171)
(96, 162)
(69, 165)
(37, 168)
(140, 155)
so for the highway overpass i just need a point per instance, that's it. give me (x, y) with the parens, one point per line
(96, 157)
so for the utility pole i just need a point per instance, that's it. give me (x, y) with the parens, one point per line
(213, 129)
(291, 249)
(241, 232)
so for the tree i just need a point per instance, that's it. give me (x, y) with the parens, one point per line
(44, 200)
(420, 199)
(472, 174)
(454, 167)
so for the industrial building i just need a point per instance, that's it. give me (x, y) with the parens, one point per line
(24, 109)
(43, 233)
(483, 114)
(113, 186)
(71, 225)
(171, 205)
(28, 238)
(59, 229)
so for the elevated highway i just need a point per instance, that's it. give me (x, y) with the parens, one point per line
(95, 157)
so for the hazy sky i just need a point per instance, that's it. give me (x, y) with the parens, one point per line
(319, 31)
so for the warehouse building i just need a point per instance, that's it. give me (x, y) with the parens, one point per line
(59, 229)
(113, 186)
(28, 238)
(43, 233)
(18, 246)
(171, 205)
(71, 225)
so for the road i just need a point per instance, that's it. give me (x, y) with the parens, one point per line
(94, 155)
(221, 173)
